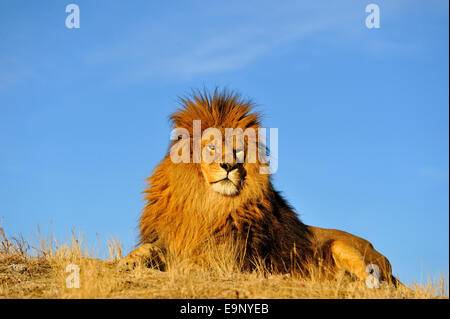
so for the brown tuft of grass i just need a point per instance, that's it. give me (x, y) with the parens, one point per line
(46, 272)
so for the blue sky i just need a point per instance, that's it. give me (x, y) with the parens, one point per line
(362, 113)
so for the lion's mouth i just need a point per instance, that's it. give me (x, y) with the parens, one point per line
(225, 181)
(222, 180)
(230, 176)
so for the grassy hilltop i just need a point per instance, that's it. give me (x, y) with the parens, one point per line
(44, 272)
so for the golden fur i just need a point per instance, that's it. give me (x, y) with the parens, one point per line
(188, 203)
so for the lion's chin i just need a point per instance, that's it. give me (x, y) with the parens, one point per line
(225, 187)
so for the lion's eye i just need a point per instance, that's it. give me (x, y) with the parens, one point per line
(211, 147)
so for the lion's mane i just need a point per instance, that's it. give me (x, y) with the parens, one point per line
(182, 212)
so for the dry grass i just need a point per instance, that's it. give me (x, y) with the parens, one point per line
(40, 272)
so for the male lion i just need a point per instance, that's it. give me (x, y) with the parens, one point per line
(189, 202)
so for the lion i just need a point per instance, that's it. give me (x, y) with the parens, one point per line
(188, 202)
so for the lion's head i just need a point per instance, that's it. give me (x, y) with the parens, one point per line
(219, 135)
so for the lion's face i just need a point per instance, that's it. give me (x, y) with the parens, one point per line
(223, 175)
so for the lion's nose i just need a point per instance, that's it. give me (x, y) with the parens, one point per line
(228, 167)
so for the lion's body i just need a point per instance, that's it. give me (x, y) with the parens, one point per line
(183, 211)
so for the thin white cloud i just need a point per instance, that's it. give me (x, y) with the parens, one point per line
(225, 48)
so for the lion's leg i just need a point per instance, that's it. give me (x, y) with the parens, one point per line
(349, 259)
(147, 254)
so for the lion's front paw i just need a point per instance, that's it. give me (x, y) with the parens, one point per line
(129, 262)
(132, 261)
(147, 255)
